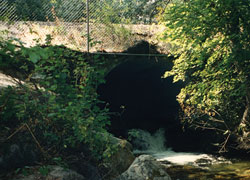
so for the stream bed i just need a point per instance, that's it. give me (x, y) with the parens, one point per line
(189, 165)
(234, 171)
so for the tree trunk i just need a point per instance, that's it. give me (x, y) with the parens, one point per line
(244, 139)
(246, 117)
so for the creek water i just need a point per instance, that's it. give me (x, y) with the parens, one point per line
(188, 165)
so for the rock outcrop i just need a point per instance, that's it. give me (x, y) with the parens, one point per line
(145, 167)
(6, 81)
(120, 160)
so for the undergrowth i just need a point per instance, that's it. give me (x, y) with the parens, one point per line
(56, 106)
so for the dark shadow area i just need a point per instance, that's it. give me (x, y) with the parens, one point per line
(140, 98)
(136, 90)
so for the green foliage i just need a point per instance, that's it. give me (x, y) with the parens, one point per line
(113, 11)
(44, 170)
(25, 171)
(126, 11)
(44, 10)
(210, 40)
(31, 10)
(133, 133)
(58, 100)
(107, 11)
(59, 162)
(70, 11)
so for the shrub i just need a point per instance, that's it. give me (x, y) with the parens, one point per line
(58, 103)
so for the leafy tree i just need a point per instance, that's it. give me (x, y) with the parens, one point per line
(73, 10)
(211, 40)
(106, 11)
(31, 10)
(147, 10)
(5, 10)
(127, 11)
(43, 10)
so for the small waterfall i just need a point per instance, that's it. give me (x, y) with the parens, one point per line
(143, 141)
(154, 144)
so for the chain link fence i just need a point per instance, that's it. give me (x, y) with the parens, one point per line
(85, 25)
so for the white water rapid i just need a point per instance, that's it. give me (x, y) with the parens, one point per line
(154, 144)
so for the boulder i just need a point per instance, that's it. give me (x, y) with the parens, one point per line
(56, 173)
(145, 167)
(17, 156)
(60, 173)
(120, 161)
(87, 169)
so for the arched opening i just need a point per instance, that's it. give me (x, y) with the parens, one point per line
(136, 90)
(140, 98)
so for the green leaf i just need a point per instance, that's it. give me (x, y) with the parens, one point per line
(34, 57)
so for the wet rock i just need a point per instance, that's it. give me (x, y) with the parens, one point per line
(245, 174)
(145, 167)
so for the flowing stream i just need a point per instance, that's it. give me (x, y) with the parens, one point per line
(188, 165)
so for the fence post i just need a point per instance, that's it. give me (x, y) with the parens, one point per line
(88, 35)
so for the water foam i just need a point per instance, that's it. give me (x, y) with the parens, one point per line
(154, 144)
